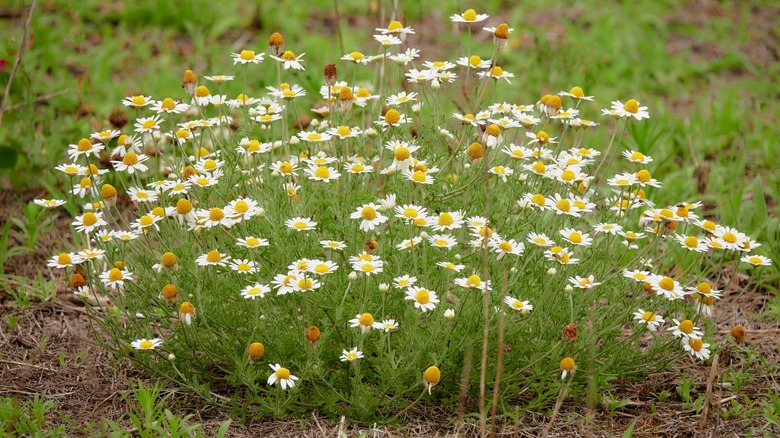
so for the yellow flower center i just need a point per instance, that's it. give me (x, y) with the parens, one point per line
(517, 304)
(148, 124)
(493, 130)
(209, 165)
(539, 200)
(89, 219)
(442, 242)
(130, 159)
(322, 172)
(367, 267)
(577, 92)
(366, 319)
(313, 136)
(691, 242)
(643, 176)
(632, 106)
(202, 91)
(216, 214)
(145, 221)
(114, 274)
(475, 61)
(363, 92)
(554, 101)
(639, 276)
(497, 71)
(648, 316)
(422, 296)
(756, 260)
(84, 145)
(539, 167)
(686, 326)
(666, 283)
(410, 212)
(568, 175)
(344, 131)
(169, 259)
(567, 364)
(446, 219)
(470, 15)
(186, 308)
(64, 259)
(419, 176)
(395, 25)
(288, 56)
(696, 344)
(138, 100)
(300, 225)
(248, 55)
(575, 237)
(473, 281)
(282, 374)
(213, 256)
(168, 104)
(368, 213)
(556, 249)
(241, 207)
(637, 156)
(563, 205)
(321, 268)
(183, 206)
(146, 344)
(730, 237)
(704, 288)
(709, 226)
(254, 146)
(356, 56)
(392, 117)
(286, 167)
(305, 283)
(502, 31)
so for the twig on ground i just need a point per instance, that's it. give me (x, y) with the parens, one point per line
(19, 53)
(708, 398)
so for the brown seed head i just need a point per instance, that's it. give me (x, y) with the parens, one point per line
(330, 74)
(117, 118)
(738, 332)
(313, 335)
(569, 332)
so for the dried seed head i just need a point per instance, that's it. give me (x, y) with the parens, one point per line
(170, 293)
(189, 82)
(117, 118)
(371, 246)
(77, 280)
(313, 335)
(738, 332)
(276, 44)
(569, 332)
(476, 151)
(108, 193)
(255, 350)
(330, 74)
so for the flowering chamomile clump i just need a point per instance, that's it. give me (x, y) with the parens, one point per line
(386, 233)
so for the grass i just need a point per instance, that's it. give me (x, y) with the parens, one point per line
(709, 89)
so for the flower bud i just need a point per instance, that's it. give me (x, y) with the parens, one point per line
(552, 271)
